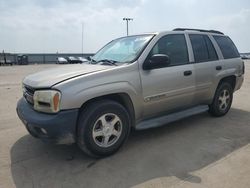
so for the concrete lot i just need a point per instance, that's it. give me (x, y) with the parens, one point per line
(199, 151)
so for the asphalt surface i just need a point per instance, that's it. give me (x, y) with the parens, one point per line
(199, 151)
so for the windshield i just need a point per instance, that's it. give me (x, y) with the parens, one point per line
(122, 50)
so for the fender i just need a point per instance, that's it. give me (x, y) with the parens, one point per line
(84, 95)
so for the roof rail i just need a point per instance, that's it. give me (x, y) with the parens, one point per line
(200, 30)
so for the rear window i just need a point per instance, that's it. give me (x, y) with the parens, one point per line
(227, 47)
(203, 48)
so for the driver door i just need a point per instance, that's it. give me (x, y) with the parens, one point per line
(169, 88)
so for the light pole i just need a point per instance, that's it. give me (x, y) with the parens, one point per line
(127, 20)
(82, 37)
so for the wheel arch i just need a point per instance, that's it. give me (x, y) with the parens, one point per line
(122, 98)
(229, 79)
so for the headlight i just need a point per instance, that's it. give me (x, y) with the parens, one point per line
(47, 101)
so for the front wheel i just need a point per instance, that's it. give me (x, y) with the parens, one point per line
(103, 127)
(222, 100)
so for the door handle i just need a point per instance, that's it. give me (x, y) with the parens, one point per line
(187, 73)
(218, 67)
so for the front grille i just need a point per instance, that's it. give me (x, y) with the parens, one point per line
(28, 94)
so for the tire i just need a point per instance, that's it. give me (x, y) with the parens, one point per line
(222, 100)
(103, 127)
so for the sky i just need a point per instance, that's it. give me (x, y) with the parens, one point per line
(50, 26)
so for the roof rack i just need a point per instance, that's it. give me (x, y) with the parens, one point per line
(200, 30)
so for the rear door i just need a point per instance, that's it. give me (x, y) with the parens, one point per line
(169, 88)
(205, 63)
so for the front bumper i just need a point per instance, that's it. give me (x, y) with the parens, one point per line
(58, 128)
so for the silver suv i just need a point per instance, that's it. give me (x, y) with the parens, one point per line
(139, 81)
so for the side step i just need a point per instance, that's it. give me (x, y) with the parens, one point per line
(163, 120)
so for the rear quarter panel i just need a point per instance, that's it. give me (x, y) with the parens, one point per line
(229, 67)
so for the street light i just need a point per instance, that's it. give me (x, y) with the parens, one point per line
(127, 20)
(82, 37)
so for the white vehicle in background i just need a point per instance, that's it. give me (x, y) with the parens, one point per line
(245, 56)
(83, 60)
(6, 62)
(61, 60)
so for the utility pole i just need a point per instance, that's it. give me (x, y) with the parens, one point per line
(127, 20)
(4, 57)
(82, 37)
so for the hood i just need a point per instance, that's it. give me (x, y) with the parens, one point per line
(50, 77)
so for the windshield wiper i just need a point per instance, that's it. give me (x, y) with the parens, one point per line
(108, 61)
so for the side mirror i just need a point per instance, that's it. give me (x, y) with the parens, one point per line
(157, 61)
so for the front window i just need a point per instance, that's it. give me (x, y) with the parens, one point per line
(174, 46)
(122, 50)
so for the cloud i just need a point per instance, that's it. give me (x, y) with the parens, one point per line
(50, 27)
(235, 25)
(55, 25)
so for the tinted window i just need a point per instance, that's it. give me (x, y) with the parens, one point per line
(174, 46)
(227, 47)
(203, 48)
(212, 55)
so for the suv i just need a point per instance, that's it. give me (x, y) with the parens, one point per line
(139, 81)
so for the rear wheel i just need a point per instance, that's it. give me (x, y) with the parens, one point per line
(222, 100)
(102, 128)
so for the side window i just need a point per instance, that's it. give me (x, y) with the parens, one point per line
(203, 48)
(227, 47)
(173, 45)
(212, 54)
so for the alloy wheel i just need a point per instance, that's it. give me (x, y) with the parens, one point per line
(107, 130)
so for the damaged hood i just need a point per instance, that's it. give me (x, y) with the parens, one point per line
(50, 77)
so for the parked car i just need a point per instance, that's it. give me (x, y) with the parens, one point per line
(61, 60)
(22, 59)
(139, 81)
(73, 60)
(83, 60)
(6, 62)
(243, 57)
